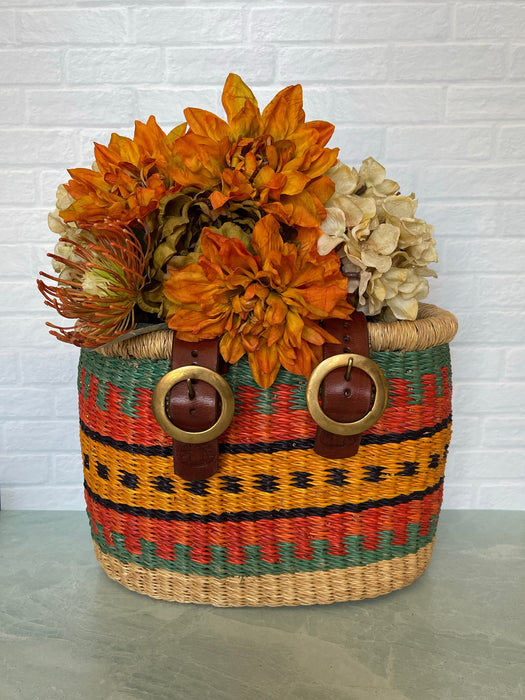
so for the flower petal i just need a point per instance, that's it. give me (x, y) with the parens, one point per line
(231, 347)
(384, 239)
(266, 237)
(206, 123)
(372, 172)
(284, 113)
(345, 178)
(295, 182)
(324, 131)
(247, 121)
(234, 95)
(304, 210)
(264, 364)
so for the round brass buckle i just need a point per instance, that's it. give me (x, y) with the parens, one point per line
(183, 374)
(346, 360)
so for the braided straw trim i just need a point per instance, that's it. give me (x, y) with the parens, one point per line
(434, 326)
(304, 588)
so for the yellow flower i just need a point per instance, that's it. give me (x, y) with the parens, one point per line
(128, 180)
(274, 158)
(265, 305)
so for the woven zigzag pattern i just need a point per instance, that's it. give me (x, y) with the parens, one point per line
(275, 506)
(256, 560)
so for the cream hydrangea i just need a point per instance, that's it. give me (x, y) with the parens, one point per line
(384, 248)
(54, 220)
(69, 234)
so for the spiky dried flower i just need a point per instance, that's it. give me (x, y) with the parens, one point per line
(99, 284)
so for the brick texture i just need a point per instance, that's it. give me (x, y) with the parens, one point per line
(517, 68)
(432, 89)
(504, 20)
(92, 25)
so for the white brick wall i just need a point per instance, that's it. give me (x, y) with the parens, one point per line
(435, 90)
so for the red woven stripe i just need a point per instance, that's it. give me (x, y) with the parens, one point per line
(249, 425)
(112, 421)
(267, 534)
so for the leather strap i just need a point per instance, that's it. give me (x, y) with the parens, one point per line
(344, 400)
(194, 462)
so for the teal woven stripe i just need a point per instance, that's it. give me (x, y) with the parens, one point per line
(253, 564)
(414, 366)
(130, 376)
(265, 400)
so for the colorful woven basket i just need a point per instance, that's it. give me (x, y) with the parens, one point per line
(277, 524)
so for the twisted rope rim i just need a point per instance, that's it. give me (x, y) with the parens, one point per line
(433, 326)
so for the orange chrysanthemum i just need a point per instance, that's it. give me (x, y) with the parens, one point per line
(265, 305)
(273, 158)
(99, 284)
(131, 178)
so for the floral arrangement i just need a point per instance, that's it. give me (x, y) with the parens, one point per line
(248, 229)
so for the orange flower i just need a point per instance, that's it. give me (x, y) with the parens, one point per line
(274, 158)
(265, 305)
(99, 284)
(131, 178)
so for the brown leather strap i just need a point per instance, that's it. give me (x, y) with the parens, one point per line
(344, 400)
(194, 462)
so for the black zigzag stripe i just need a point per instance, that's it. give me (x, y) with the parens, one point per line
(244, 516)
(264, 447)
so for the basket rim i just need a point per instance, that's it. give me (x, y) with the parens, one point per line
(434, 326)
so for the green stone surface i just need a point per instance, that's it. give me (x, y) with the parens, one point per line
(68, 631)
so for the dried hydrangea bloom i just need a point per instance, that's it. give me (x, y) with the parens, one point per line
(378, 236)
(344, 210)
(69, 233)
(396, 293)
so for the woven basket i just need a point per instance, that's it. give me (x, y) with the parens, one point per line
(277, 524)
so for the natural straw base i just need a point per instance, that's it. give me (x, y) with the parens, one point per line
(305, 588)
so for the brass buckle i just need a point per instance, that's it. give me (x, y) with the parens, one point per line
(186, 374)
(347, 360)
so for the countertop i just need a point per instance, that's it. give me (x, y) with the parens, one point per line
(68, 631)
